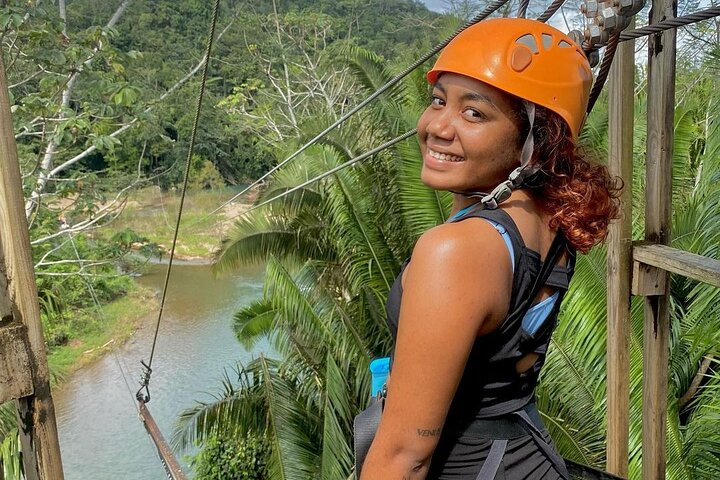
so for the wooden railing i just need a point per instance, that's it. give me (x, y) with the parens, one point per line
(643, 269)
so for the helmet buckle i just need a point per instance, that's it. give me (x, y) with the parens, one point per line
(499, 194)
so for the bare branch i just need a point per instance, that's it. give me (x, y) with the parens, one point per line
(63, 16)
(22, 82)
(50, 150)
(118, 14)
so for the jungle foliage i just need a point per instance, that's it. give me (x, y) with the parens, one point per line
(102, 96)
(332, 250)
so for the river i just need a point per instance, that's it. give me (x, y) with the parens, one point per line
(101, 437)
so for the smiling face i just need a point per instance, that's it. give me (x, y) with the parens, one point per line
(469, 135)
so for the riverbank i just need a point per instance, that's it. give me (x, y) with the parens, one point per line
(110, 329)
(197, 351)
(150, 214)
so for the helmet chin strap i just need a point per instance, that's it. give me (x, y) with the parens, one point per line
(503, 191)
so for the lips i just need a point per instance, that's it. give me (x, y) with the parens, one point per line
(444, 157)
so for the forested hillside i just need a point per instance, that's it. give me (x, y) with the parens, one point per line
(104, 95)
(167, 39)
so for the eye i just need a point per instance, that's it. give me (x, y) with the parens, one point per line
(436, 101)
(474, 114)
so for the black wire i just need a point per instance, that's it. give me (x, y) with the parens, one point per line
(481, 16)
(193, 136)
(522, 8)
(607, 60)
(671, 23)
(335, 169)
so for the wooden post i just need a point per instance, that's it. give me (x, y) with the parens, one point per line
(658, 197)
(619, 260)
(36, 412)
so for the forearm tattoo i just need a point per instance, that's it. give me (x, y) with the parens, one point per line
(432, 432)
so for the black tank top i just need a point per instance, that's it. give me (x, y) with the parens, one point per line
(490, 385)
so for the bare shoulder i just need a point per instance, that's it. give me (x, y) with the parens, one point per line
(471, 253)
(472, 240)
(460, 270)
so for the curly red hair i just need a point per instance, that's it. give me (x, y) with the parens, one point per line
(580, 196)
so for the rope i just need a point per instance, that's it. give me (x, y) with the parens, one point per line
(671, 23)
(522, 8)
(359, 158)
(549, 12)
(607, 60)
(481, 16)
(554, 7)
(145, 398)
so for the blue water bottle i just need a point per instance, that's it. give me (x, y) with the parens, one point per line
(379, 369)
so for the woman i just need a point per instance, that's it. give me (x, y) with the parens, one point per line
(474, 309)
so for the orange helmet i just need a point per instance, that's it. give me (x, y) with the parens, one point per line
(526, 58)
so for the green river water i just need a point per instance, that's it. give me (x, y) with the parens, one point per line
(101, 437)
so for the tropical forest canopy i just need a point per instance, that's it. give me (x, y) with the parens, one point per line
(103, 99)
(104, 95)
(157, 43)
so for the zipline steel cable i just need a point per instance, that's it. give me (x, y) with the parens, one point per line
(699, 16)
(336, 169)
(145, 398)
(602, 75)
(481, 16)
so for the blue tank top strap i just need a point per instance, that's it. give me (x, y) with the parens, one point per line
(500, 220)
(506, 237)
(559, 278)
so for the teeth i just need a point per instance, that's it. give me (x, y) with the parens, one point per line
(445, 157)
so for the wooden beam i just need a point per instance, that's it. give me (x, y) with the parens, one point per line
(691, 265)
(658, 200)
(15, 372)
(648, 280)
(172, 467)
(621, 94)
(36, 413)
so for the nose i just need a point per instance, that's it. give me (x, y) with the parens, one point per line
(440, 124)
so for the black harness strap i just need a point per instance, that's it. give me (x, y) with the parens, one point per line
(549, 452)
(493, 460)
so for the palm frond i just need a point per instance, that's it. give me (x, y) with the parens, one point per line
(253, 322)
(337, 453)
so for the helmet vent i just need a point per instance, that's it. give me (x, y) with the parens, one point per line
(547, 40)
(564, 44)
(529, 41)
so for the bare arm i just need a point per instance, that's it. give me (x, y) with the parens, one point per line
(457, 284)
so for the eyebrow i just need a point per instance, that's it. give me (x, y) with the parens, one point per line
(472, 96)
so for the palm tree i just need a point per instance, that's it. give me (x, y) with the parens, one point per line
(332, 250)
(330, 265)
(573, 390)
(10, 468)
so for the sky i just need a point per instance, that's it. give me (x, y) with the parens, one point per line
(557, 20)
(436, 5)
